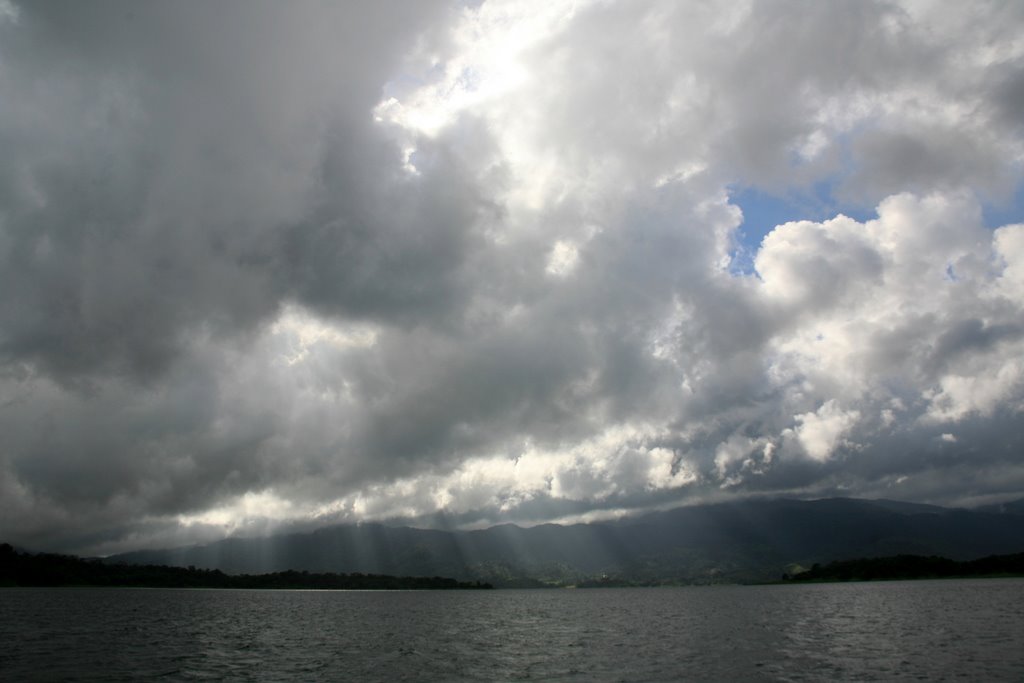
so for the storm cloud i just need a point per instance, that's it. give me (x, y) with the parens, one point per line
(271, 264)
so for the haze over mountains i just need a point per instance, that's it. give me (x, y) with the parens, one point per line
(740, 541)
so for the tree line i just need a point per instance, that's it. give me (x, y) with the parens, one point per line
(912, 567)
(47, 569)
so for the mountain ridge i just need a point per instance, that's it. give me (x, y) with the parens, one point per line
(719, 542)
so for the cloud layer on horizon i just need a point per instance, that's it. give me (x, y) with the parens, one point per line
(270, 264)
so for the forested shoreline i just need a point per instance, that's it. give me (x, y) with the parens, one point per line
(19, 568)
(901, 567)
(46, 569)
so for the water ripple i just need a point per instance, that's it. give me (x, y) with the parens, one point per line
(944, 630)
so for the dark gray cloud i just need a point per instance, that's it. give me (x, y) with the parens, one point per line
(268, 264)
(176, 169)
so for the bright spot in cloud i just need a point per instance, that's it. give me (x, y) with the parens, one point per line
(245, 510)
(488, 43)
(820, 432)
(303, 331)
(563, 258)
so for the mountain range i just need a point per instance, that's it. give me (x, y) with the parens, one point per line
(744, 541)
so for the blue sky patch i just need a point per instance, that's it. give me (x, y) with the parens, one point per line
(763, 211)
(997, 214)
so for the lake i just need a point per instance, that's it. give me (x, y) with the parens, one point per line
(923, 630)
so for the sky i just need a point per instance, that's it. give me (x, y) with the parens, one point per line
(270, 265)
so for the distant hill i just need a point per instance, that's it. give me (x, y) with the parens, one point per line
(1014, 507)
(728, 542)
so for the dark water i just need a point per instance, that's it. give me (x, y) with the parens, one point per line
(927, 630)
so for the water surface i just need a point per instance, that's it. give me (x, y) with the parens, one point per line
(920, 630)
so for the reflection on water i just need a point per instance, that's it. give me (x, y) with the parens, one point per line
(928, 630)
